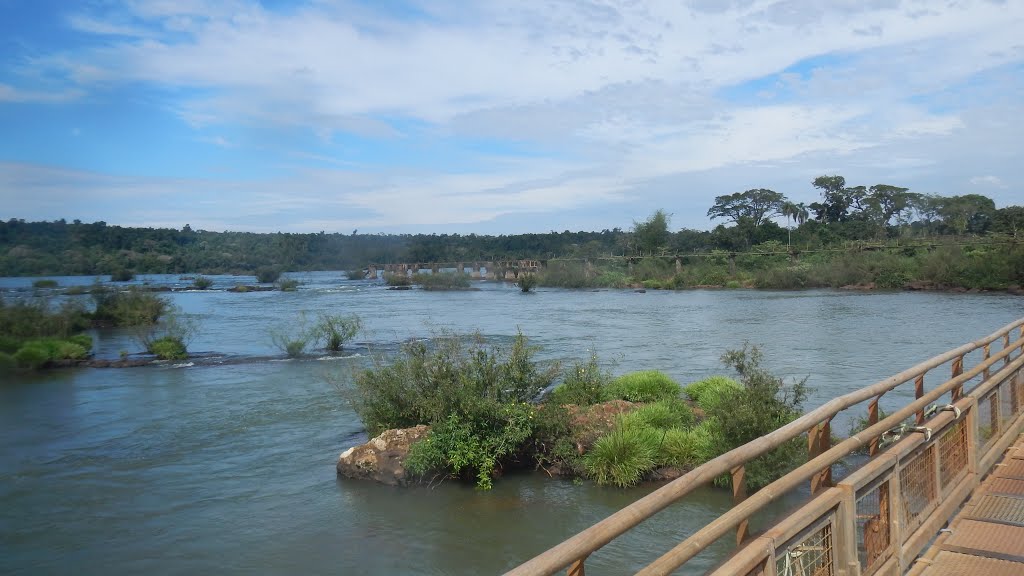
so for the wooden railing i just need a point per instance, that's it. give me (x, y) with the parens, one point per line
(916, 484)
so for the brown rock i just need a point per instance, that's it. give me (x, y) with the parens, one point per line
(382, 459)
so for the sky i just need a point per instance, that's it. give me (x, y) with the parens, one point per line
(494, 117)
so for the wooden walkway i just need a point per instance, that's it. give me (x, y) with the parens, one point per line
(987, 536)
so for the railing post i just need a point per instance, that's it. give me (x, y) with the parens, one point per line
(739, 494)
(577, 568)
(918, 392)
(1006, 344)
(988, 354)
(872, 420)
(958, 369)
(819, 440)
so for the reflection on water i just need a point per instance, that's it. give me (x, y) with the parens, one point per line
(230, 467)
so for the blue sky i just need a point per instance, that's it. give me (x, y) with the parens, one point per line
(494, 117)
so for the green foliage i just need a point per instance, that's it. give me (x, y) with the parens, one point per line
(293, 340)
(202, 283)
(36, 354)
(583, 384)
(711, 390)
(334, 330)
(644, 386)
(687, 447)
(397, 280)
(442, 281)
(661, 415)
(168, 348)
(35, 333)
(267, 274)
(652, 235)
(45, 283)
(7, 363)
(624, 455)
(763, 404)
(475, 397)
(288, 285)
(122, 275)
(526, 282)
(132, 307)
(566, 275)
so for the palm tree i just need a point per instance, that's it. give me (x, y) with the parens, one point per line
(794, 213)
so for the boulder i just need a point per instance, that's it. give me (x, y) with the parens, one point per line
(382, 459)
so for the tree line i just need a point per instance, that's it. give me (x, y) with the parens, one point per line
(844, 213)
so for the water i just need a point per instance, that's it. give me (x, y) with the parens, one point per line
(228, 465)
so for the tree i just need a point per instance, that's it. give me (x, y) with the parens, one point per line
(652, 234)
(753, 206)
(794, 212)
(835, 203)
(885, 202)
(967, 213)
(1009, 220)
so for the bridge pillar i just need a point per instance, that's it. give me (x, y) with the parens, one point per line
(679, 265)
(489, 267)
(371, 272)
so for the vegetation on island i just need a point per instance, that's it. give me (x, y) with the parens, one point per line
(494, 408)
(881, 235)
(329, 331)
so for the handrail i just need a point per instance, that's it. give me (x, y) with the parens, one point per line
(593, 538)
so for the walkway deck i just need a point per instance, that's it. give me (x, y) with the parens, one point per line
(987, 536)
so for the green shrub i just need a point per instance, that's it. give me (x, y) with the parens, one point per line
(202, 283)
(644, 386)
(70, 351)
(122, 275)
(566, 275)
(45, 283)
(7, 362)
(33, 355)
(168, 348)
(335, 330)
(661, 415)
(583, 384)
(763, 404)
(288, 285)
(711, 390)
(83, 340)
(611, 279)
(356, 274)
(623, 456)
(126, 308)
(527, 282)
(442, 281)
(267, 274)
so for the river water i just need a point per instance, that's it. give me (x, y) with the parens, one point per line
(227, 465)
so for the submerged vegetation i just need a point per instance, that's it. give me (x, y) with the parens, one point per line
(488, 413)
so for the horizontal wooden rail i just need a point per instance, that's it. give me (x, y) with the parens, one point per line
(591, 539)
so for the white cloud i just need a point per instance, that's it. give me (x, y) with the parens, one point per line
(988, 181)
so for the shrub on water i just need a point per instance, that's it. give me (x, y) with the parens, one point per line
(335, 330)
(45, 283)
(623, 456)
(288, 285)
(83, 340)
(526, 282)
(122, 275)
(126, 308)
(267, 274)
(168, 348)
(32, 355)
(442, 281)
(202, 283)
(644, 386)
(711, 390)
(70, 351)
(397, 280)
(583, 384)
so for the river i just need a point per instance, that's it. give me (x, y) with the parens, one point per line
(227, 465)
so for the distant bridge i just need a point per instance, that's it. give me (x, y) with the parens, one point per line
(482, 269)
(887, 516)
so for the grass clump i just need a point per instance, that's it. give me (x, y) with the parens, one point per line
(623, 456)
(644, 386)
(711, 390)
(397, 280)
(288, 285)
(267, 274)
(45, 283)
(442, 281)
(526, 282)
(168, 348)
(661, 415)
(35, 333)
(334, 330)
(126, 308)
(202, 283)
(688, 448)
(169, 339)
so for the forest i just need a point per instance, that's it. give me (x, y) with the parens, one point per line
(748, 221)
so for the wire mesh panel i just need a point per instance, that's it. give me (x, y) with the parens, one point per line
(917, 487)
(1006, 400)
(1016, 383)
(810, 554)
(988, 418)
(758, 570)
(873, 535)
(952, 454)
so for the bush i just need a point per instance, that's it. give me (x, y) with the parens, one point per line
(711, 390)
(475, 397)
(288, 285)
(356, 274)
(267, 274)
(688, 448)
(566, 275)
(293, 344)
(644, 386)
(32, 355)
(397, 280)
(122, 275)
(442, 281)
(45, 283)
(763, 404)
(583, 384)
(202, 283)
(527, 282)
(126, 308)
(623, 456)
(335, 330)
(168, 348)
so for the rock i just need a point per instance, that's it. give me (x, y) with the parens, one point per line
(382, 459)
(1015, 290)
